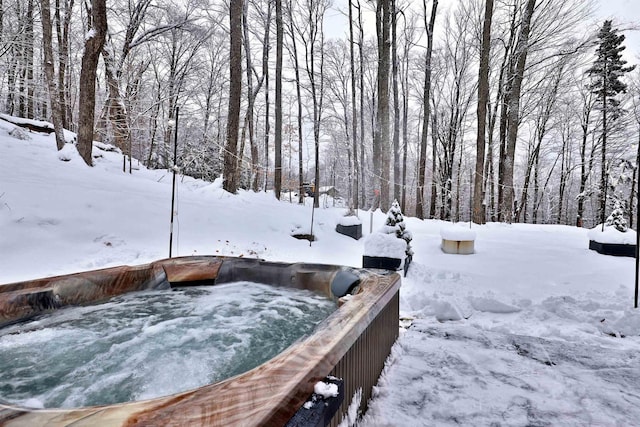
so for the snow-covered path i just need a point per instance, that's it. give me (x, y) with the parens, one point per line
(459, 374)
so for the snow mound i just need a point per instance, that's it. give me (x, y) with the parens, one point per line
(445, 311)
(628, 324)
(491, 305)
(68, 153)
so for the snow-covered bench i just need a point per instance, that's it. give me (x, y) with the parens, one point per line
(458, 240)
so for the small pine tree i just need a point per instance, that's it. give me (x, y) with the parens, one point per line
(395, 224)
(617, 220)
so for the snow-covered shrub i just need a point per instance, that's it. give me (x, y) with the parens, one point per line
(395, 225)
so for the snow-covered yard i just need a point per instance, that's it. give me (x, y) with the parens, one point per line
(532, 329)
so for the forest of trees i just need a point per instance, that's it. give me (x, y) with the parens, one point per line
(490, 110)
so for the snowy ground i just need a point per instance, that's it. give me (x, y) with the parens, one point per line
(533, 329)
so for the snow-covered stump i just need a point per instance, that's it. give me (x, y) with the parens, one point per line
(458, 240)
(385, 251)
(612, 241)
(350, 226)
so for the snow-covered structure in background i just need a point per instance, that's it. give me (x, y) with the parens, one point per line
(350, 225)
(614, 237)
(457, 239)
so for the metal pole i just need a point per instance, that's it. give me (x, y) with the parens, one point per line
(471, 198)
(313, 210)
(173, 187)
(635, 304)
(604, 207)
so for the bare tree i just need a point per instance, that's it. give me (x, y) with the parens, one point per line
(252, 93)
(426, 110)
(354, 121)
(265, 73)
(545, 110)
(409, 32)
(396, 102)
(483, 99)
(515, 77)
(293, 52)
(310, 30)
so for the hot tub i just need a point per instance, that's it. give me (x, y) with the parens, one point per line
(352, 343)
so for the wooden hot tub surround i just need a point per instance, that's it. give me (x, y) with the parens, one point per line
(352, 343)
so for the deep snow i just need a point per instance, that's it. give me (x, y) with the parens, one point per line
(532, 329)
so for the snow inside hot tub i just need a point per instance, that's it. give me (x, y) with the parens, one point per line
(153, 343)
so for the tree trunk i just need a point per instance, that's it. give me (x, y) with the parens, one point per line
(483, 99)
(603, 156)
(381, 133)
(252, 93)
(62, 28)
(513, 113)
(396, 103)
(265, 73)
(426, 108)
(361, 60)
(405, 128)
(277, 184)
(94, 42)
(434, 165)
(47, 43)
(293, 51)
(584, 172)
(116, 110)
(354, 120)
(235, 93)
(26, 106)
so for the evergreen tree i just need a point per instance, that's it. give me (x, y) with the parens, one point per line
(617, 220)
(606, 72)
(395, 224)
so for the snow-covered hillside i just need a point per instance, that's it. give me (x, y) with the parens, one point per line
(532, 329)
